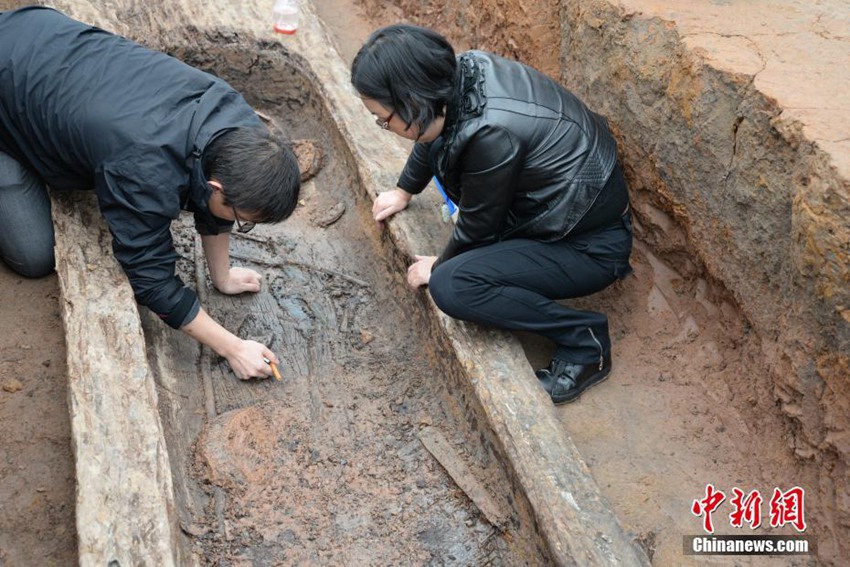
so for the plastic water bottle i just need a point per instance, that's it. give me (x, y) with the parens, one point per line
(286, 13)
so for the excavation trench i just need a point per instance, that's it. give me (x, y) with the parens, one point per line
(396, 435)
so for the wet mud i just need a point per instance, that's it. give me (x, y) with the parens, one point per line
(325, 466)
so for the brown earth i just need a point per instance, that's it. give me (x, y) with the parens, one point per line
(37, 523)
(691, 400)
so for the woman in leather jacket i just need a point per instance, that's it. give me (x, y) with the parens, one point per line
(543, 206)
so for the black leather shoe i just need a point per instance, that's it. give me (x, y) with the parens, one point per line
(565, 381)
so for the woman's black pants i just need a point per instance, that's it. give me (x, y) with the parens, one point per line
(514, 284)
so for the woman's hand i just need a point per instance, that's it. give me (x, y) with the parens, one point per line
(240, 280)
(247, 360)
(419, 273)
(389, 203)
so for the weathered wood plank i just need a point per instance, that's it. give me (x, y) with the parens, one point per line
(125, 507)
(496, 512)
(173, 358)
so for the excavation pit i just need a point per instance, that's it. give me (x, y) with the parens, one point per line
(693, 397)
(395, 434)
(325, 466)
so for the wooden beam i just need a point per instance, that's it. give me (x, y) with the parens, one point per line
(125, 504)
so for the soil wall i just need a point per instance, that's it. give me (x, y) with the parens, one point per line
(526, 30)
(724, 187)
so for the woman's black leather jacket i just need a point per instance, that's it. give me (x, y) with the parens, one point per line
(520, 155)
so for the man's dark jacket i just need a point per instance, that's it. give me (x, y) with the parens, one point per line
(85, 109)
(521, 156)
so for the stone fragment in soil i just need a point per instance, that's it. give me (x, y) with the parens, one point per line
(325, 217)
(12, 385)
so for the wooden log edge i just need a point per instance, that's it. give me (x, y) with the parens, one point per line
(124, 499)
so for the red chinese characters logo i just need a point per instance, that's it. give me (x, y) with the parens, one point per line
(705, 507)
(786, 507)
(746, 509)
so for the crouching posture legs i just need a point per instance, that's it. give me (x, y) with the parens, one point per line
(514, 284)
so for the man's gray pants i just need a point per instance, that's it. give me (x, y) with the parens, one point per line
(26, 228)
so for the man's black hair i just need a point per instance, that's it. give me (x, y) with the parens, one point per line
(258, 171)
(407, 69)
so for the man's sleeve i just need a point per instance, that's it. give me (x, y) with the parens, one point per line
(491, 164)
(140, 222)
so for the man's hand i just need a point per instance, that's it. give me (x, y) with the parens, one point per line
(244, 357)
(419, 273)
(240, 280)
(389, 203)
(247, 362)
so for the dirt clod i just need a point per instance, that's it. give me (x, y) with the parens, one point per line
(12, 385)
(366, 337)
(311, 157)
(323, 218)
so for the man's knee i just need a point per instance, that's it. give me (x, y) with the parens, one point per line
(40, 266)
(36, 264)
(26, 241)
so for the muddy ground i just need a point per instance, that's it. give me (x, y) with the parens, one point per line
(685, 406)
(327, 465)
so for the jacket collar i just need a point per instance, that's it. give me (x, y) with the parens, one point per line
(469, 97)
(468, 101)
(197, 196)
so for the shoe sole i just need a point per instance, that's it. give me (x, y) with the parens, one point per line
(596, 379)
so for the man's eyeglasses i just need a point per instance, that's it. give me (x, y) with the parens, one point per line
(384, 123)
(242, 227)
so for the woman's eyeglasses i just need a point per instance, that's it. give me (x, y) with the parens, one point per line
(242, 227)
(384, 123)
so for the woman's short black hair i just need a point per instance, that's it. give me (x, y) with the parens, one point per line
(258, 172)
(407, 69)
